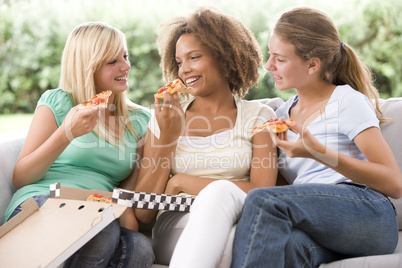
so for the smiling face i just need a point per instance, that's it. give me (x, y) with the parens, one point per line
(288, 69)
(198, 67)
(112, 75)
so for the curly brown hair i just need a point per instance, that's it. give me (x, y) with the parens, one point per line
(228, 38)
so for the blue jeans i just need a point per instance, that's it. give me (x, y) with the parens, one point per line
(114, 246)
(309, 224)
(39, 199)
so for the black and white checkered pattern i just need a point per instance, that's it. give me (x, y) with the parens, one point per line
(55, 189)
(152, 201)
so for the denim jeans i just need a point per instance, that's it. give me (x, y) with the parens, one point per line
(114, 246)
(39, 199)
(309, 224)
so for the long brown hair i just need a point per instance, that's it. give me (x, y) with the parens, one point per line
(313, 34)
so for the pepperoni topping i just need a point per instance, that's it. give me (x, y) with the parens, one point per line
(162, 89)
(98, 101)
(98, 195)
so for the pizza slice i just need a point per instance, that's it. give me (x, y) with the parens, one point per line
(100, 99)
(175, 86)
(273, 125)
(99, 198)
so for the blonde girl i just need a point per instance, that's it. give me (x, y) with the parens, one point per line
(90, 148)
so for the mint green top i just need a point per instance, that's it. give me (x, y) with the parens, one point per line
(88, 162)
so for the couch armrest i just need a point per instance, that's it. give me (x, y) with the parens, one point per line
(392, 110)
(10, 147)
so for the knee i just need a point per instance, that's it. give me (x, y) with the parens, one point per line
(109, 236)
(220, 189)
(219, 186)
(144, 248)
(136, 249)
(220, 193)
(264, 199)
(99, 249)
(255, 196)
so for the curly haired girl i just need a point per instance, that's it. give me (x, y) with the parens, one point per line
(203, 146)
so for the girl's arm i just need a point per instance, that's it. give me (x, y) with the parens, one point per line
(46, 141)
(130, 182)
(156, 162)
(380, 172)
(128, 219)
(154, 171)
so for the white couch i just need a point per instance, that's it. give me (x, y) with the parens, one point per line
(11, 143)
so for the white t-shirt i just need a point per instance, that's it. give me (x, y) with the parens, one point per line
(225, 155)
(347, 113)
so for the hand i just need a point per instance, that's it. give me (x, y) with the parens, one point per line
(80, 122)
(170, 117)
(306, 146)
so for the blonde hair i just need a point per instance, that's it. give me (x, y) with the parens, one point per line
(87, 47)
(228, 38)
(313, 34)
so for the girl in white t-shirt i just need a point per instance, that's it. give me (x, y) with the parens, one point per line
(206, 142)
(340, 167)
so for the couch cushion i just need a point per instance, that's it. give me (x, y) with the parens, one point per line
(388, 261)
(274, 103)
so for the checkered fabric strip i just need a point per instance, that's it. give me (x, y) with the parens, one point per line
(152, 201)
(54, 189)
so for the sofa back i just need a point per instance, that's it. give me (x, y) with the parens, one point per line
(10, 147)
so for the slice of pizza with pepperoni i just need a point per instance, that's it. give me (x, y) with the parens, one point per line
(99, 198)
(175, 86)
(273, 125)
(100, 100)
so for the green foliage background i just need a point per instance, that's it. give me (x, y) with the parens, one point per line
(33, 33)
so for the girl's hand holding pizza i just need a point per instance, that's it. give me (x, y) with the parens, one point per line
(170, 117)
(83, 118)
(80, 122)
(306, 145)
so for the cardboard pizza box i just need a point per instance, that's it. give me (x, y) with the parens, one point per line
(47, 236)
